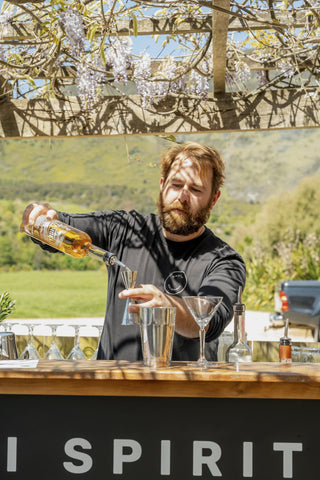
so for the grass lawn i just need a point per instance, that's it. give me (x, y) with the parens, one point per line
(56, 294)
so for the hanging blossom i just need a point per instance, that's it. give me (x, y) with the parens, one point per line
(90, 81)
(170, 70)
(4, 49)
(261, 78)
(242, 71)
(141, 77)
(4, 23)
(4, 18)
(152, 89)
(142, 67)
(119, 57)
(313, 94)
(240, 74)
(287, 69)
(141, 74)
(163, 83)
(198, 82)
(199, 85)
(73, 25)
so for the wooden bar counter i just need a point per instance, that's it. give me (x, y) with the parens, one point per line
(121, 420)
(122, 378)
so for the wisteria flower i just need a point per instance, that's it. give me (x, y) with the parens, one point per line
(119, 57)
(73, 25)
(90, 81)
(287, 69)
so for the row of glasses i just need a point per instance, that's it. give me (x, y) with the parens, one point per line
(76, 353)
(304, 354)
(202, 309)
(53, 353)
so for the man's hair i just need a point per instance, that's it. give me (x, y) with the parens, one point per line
(205, 157)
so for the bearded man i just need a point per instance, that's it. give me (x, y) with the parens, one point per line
(174, 254)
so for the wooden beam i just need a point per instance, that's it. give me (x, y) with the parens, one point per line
(152, 26)
(125, 116)
(21, 2)
(220, 23)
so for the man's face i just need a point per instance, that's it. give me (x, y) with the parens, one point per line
(185, 199)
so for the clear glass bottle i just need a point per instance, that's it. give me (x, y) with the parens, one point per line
(67, 239)
(239, 350)
(285, 354)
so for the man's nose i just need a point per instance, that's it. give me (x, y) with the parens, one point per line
(184, 195)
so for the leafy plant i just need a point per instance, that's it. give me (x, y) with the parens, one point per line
(7, 305)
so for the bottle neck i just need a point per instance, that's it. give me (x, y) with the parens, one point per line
(239, 325)
(107, 257)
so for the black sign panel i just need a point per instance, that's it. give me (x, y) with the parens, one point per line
(137, 438)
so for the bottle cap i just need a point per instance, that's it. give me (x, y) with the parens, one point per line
(285, 341)
(239, 307)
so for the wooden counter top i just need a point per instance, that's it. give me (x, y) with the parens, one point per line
(122, 378)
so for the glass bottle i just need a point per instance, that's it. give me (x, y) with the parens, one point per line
(239, 350)
(285, 354)
(67, 239)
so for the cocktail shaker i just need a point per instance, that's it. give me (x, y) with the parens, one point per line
(8, 347)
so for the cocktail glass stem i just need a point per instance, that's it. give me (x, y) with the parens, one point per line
(31, 334)
(77, 336)
(54, 353)
(202, 338)
(95, 353)
(54, 334)
(30, 352)
(76, 353)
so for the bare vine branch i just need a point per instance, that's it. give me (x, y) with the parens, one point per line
(269, 45)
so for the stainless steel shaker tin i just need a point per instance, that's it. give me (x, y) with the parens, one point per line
(8, 347)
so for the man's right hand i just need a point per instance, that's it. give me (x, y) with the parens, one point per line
(34, 210)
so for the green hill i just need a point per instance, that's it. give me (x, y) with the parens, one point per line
(259, 164)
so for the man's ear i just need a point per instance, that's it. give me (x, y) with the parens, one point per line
(215, 199)
(161, 183)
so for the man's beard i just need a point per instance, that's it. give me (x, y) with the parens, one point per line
(182, 224)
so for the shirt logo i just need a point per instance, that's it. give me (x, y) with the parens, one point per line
(175, 283)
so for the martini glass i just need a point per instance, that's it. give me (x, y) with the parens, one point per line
(95, 353)
(76, 353)
(6, 326)
(202, 309)
(54, 353)
(30, 352)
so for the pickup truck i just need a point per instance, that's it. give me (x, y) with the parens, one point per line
(299, 301)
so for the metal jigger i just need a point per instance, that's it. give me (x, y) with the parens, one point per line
(129, 280)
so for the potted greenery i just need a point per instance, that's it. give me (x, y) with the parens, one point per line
(7, 305)
(8, 347)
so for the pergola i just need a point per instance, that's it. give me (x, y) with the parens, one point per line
(281, 103)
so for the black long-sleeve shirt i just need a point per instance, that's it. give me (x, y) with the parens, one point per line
(205, 265)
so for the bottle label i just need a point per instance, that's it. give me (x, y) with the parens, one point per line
(55, 235)
(284, 352)
(50, 231)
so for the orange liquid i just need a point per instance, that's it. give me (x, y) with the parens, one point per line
(63, 237)
(75, 242)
